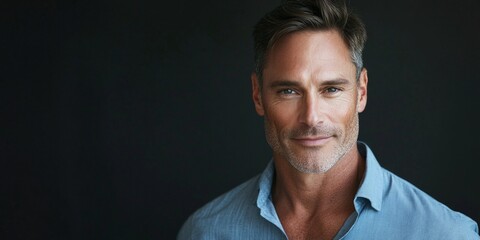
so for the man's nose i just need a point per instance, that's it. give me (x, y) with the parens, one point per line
(311, 113)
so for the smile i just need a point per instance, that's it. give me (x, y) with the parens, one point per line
(312, 141)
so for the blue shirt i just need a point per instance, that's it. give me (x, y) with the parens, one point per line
(386, 207)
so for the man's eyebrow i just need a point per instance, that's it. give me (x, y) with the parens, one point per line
(283, 83)
(290, 83)
(337, 81)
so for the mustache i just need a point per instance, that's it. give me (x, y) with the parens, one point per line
(305, 131)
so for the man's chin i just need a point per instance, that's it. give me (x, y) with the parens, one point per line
(310, 166)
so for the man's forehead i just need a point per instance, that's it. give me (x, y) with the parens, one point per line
(320, 55)
(318, 45)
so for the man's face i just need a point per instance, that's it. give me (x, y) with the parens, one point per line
(310, 100)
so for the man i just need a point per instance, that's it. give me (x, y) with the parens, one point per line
(310, 85)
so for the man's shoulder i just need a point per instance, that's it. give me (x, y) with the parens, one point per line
(407, 200)
(241, 195)
(225, 210)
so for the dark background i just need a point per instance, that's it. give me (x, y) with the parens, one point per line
(119, 119)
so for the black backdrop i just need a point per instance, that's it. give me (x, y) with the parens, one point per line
(119, 119)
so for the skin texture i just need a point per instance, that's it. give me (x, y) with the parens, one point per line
(310, 100)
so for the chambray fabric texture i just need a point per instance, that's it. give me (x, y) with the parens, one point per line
(386, 207)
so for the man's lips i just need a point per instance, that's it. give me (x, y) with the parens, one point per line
(312, 141)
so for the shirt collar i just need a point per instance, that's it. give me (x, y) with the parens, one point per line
(371, 188)
(373, 181)
(264, 199)
(265, 185)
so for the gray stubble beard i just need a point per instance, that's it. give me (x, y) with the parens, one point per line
(311, 164)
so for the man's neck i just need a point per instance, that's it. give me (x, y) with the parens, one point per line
(315, 206)
(311, 194)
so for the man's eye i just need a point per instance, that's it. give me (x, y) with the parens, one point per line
(287, 91)
(332, 90)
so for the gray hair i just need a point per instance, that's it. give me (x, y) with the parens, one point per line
(297, 15)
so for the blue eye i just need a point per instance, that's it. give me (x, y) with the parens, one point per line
(332, 90)
(287, 91)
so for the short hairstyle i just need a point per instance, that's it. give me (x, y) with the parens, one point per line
(297, 15)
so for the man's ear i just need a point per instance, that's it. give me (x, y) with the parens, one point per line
(362, 91)
(257, 94)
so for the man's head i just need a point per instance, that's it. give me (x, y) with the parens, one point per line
(307, 84)
(300, 15)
